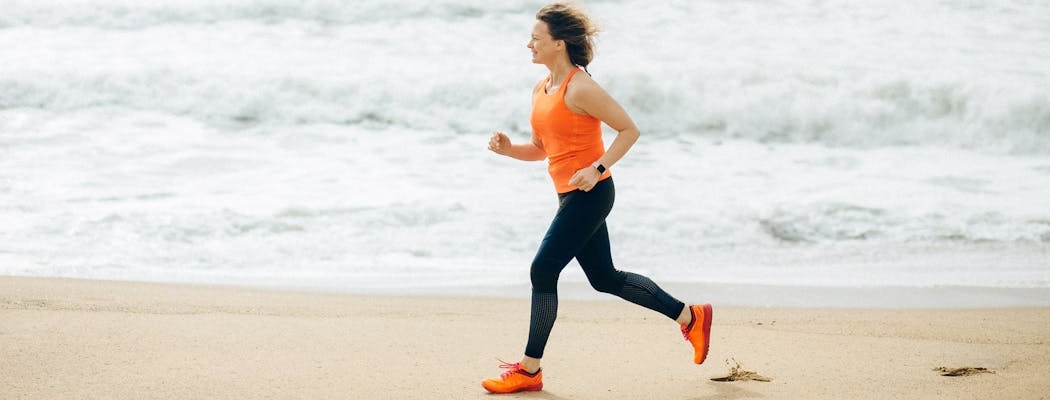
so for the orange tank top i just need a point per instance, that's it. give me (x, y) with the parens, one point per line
(571, 141)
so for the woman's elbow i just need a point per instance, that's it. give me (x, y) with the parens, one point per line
(631, 133)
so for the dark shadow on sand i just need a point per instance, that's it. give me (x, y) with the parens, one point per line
(545, 395)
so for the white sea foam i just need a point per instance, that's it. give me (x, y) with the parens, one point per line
(969, 76)
(341, 145)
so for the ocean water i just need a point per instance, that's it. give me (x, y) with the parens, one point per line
(341, 145)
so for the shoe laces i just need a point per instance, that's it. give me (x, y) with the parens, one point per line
(685, 327)
(511, 368)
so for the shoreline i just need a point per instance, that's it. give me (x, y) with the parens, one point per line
(764, 296)
(70, 338)
(724, 294)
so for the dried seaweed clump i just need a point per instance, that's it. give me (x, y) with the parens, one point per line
(963, 371)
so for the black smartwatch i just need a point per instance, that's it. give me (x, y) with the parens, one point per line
(601, 168)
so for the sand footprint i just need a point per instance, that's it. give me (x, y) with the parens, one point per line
(738, 373)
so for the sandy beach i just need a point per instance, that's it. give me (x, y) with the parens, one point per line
(64, 339)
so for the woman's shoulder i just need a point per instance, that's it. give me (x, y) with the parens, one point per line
(582, 86)
(582, 78)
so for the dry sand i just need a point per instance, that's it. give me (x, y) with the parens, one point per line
(80, 339)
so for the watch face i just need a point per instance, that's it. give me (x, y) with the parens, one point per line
(601, 169)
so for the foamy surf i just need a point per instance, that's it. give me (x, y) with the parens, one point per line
(342, 146)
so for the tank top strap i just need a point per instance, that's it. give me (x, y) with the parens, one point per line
(565, 83)
(541, 87)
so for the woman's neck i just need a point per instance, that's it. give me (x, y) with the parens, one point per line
(558, 72)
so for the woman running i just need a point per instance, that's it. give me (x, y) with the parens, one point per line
(568, 109)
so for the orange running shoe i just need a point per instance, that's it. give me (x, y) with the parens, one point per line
(515, 379)
(698, 332)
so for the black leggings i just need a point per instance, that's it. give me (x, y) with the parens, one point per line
(578, 231)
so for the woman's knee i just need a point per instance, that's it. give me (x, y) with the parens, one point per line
(544, 277)
(607, 283)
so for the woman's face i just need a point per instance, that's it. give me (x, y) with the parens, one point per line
(544, 47)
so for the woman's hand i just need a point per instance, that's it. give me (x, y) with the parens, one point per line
(585, 178)
(499, 143)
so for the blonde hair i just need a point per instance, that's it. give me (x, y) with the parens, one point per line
(569, 23)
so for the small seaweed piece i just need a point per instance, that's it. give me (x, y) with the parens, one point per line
(963, 371)
(738, 373)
